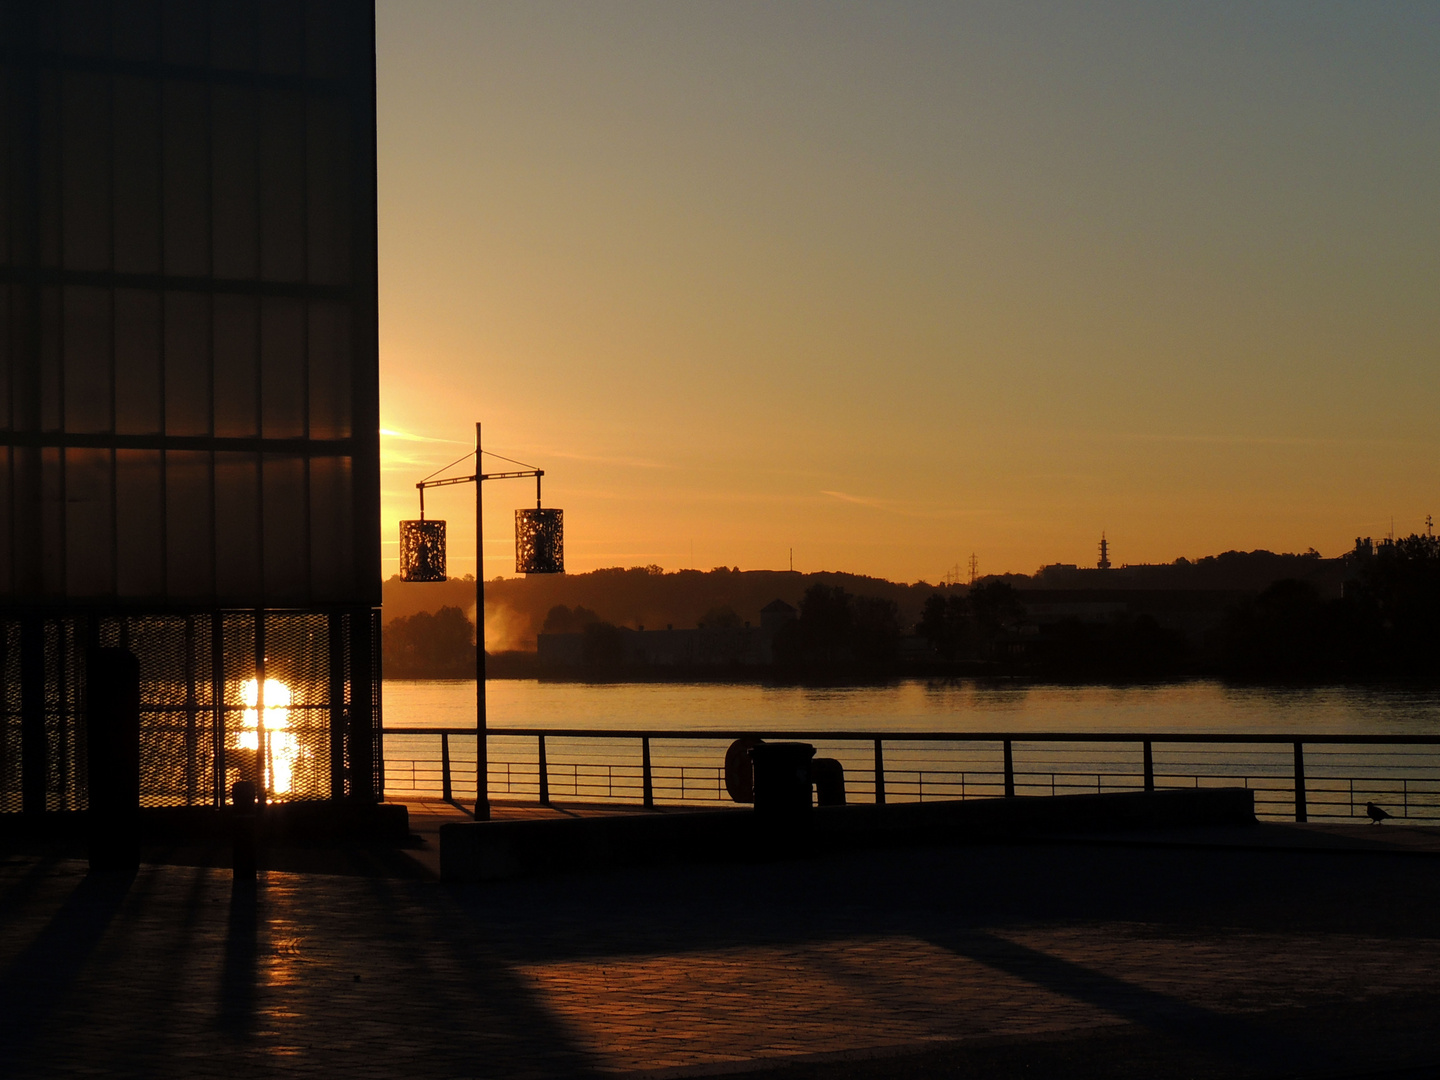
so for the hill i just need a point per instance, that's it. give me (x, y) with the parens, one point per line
(516, 608)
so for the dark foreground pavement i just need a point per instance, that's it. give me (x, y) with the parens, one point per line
(1066, 959)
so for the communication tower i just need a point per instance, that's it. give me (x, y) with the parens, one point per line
(1104, 563)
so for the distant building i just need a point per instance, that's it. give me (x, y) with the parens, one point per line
(776, 614)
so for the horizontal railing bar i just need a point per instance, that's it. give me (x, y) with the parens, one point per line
(1282, 738)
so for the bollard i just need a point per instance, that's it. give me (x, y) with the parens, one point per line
(783, 779)
(243, 835)
(829, 777)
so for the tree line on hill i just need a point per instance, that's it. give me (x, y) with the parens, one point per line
(1386, 624)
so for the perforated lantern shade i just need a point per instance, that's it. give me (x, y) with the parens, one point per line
(539, 541)
(422, 551)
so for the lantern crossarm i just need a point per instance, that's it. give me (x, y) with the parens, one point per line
(537, 473)
(452, 480)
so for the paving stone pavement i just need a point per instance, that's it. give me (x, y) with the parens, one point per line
(995, 961)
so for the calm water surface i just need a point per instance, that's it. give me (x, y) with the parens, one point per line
(917, 705)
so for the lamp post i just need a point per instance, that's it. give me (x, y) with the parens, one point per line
(482, 732)
(539, 549)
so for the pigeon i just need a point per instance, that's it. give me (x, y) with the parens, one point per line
(1377, 815)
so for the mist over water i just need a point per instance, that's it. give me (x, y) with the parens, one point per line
(919, 705)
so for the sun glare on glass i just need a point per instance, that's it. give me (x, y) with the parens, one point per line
(281, 744)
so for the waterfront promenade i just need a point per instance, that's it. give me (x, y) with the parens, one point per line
(1273, 951)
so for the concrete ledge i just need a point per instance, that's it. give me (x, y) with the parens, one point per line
(496, 850)
(318, 822)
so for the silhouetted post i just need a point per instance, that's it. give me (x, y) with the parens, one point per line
(1009, 771)
(1149, 768)
(1300, 814)
(482, 740)
(544, 776)
(360, 731)
(244, 842)
(647, 783)
(445, 766)
(879, 773)
(112, 733)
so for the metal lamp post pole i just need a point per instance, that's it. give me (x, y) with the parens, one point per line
(482, 748)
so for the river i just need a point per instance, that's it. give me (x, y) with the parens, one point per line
(1340, 778)
(919, 705)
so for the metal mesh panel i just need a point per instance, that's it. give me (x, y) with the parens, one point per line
(539, 541)
(422, 551)
(192, 751)
(10, 794)
(176, 748)
(237, 755)
(297, 744)
(64, 719)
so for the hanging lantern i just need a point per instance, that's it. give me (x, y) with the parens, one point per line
(539, 541)
(422, 551)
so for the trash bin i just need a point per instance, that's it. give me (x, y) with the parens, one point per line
(782, 777)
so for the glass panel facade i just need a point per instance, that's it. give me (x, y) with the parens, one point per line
(189, 445)
(187, 267)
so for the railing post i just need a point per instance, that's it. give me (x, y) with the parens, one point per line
(445, 766)
(1149, 767)
(1300, 814)
(879, 773)
(1009, 771)
(647, 781)
(544, 776)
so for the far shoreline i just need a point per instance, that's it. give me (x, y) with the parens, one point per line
(710, 677)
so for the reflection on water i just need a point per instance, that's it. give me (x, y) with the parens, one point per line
(918, 705)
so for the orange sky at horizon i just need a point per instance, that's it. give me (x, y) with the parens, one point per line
(892, 284)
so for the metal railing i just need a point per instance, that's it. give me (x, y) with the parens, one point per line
(1304, 777)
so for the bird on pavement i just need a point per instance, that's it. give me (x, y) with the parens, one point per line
(1377, 815)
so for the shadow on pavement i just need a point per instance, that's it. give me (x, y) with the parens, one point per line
(40, 977)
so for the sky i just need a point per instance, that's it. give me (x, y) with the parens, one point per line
(892, 284)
